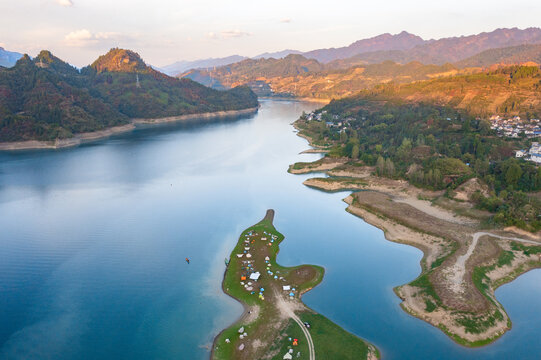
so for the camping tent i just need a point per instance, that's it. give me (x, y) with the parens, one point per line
(255, 276)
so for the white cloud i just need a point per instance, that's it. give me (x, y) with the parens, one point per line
(228, 34)
(234, 34)
(83, 37)
(79, 38)
(66, 3)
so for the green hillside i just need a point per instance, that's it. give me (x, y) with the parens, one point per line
(301, 77)
(46, 98)
(439, 142)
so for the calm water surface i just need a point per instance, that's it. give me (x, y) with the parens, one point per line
(93, 241)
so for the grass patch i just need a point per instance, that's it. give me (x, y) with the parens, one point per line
(527, 250)
(333, 342)
(430, 306)
(478, 324)
(282, 344)
(505, 258)
(423, 282)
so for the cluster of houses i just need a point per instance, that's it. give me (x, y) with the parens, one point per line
(315, 116)
(515, 126)
(333, 122)
(533, 154)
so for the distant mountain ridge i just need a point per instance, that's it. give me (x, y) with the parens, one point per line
(401, 48)
(184, 65)
(299, 75)
(384, 42)
(8, 58)
(278, 54)
(448, 50)
(508, 55)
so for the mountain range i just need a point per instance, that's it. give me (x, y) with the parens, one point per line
(509, 55)
(181, 66)
(8, 58)
(453, 49)
(401, 48)
(509, 90)
(45, 98)
(297, 76)
(398, 58)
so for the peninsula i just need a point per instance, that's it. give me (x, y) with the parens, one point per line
(439, 179)
(275, 323)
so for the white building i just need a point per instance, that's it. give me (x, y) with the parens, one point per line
(520, 153)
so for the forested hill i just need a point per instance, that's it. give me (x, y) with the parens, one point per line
(249, 70)
(45, 98)
(433, 146)
(298, 76)
(510, 90)
(509, 55)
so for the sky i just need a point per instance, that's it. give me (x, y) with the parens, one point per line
(165, 31)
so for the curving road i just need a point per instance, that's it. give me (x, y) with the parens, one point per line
(459, 268)
(286, 309)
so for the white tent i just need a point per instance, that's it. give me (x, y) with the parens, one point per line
(255, 276)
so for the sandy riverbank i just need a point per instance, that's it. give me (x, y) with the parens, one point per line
(87, 137)
(307, 99)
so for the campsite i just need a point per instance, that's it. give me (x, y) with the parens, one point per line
(274, 322)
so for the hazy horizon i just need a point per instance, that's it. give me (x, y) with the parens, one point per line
(167, 31)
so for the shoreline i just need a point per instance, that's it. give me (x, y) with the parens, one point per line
(266, 320)
(295, 98)
(447, 238)
(88, 137)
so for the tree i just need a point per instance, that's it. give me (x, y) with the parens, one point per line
(404, 149)
(513, 174)
(380, 166)
(389, 167)
(355, 152)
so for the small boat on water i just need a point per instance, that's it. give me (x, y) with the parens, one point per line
(188, 260)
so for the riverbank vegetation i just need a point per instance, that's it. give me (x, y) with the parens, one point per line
(438, 178)
(434, 147)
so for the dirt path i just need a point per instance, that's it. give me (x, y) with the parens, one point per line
(287, 309)
(459, 268)
(429, 209)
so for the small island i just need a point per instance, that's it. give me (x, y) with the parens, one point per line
(275, 323)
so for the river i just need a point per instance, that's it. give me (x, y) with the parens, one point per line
(93, 241)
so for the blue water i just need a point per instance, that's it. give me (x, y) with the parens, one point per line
(93, 241)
